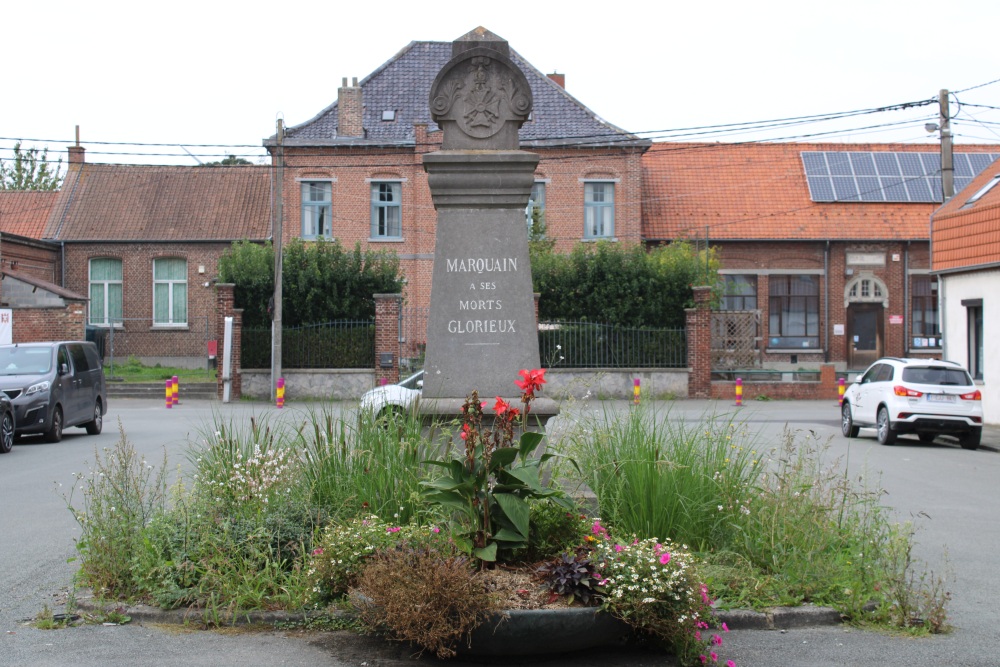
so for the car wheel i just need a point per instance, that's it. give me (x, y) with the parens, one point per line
(6, 432)
(886, 436)
(926, 437)
(971, 439)
(847, 426)
(54, 434)
(94, 427)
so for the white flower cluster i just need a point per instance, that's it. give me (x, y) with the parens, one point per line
(261, 473)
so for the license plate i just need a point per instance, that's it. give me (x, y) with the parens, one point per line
(941, 398)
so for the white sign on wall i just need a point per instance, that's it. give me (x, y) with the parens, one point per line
(6, 326)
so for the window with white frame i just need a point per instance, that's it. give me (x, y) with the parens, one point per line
(387, 210)
(317, 209)
(793, 308)
(598, 210)
(105, 291)
(169, 291)
(974, 330)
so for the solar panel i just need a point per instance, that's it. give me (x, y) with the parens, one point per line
(886, 176)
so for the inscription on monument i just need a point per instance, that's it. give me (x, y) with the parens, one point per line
(481, 302)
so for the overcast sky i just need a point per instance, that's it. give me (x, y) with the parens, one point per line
(220, 72)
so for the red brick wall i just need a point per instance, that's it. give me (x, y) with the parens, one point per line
(138, 336)
(387, 336)
(826, 388)
(699, 344)
(770, 258)
(46, 324)
(355, 168)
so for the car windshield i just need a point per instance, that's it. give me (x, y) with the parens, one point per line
(25, 360)
(412, 382)
(936, 375)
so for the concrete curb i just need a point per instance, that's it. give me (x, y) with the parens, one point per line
(778, 618)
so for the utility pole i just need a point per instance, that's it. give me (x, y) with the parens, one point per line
(277, 234)
(947, 164)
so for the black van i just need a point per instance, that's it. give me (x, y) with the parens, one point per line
(54, 385)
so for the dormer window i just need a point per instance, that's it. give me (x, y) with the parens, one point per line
(982, 191)
(389, 115)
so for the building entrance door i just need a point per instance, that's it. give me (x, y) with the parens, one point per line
(864, 334)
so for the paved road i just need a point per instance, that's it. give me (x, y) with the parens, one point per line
(955, 488)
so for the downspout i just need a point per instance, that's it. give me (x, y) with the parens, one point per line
(62, 261)
(826, 303)
(907, 309)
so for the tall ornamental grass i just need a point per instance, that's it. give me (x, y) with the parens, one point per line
(657, 476)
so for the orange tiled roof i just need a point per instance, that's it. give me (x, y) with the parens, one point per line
(100, 202)
(758, 191)
(969, 235)
(25, 212)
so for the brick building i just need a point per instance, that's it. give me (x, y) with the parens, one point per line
(354, 172)
(830, 242)
(143, 242)
(965, 235)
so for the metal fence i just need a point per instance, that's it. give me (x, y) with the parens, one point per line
(594, 345)
(412, 338)
(336, 344)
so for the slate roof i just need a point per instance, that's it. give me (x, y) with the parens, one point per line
(138, 203)
(25, 212)
(403, 84)
(968, 235)
(759, 192)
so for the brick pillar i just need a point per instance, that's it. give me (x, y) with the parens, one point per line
(699, 344)
(387, 309)
(828, 381)
(225, 307)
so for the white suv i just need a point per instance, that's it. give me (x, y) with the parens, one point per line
(922, 396)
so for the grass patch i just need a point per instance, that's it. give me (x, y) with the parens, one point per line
(133, 371)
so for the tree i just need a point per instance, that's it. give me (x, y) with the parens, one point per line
(231, 161)
(30, 170)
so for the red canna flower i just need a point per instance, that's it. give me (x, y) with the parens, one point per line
(531, 380)
(501, 406)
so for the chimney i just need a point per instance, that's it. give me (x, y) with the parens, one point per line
(76, 152)
(559, 79)
(349, 110)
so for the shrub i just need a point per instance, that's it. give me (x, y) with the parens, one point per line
(121, 494)
(430, 596)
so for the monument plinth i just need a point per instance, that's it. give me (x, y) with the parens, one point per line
(482, 328)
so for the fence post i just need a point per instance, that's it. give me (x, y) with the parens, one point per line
(387, 309)
(739, 392)
(635, 392)
(169, 391)
(699, 343)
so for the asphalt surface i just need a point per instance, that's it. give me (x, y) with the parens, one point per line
(950, 493)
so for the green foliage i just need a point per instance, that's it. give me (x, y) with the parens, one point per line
(320, 281)
(554, 529)
(487, 489)
(228, 161)
(628, 286)
(121, 494)
(30, 170)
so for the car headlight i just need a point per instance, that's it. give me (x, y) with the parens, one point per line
(35, 388)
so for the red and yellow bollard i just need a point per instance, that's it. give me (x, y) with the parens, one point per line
(169, 388)
(635, 392)
(841, 387)
(739, 392)
(279, 393)
(176, 391)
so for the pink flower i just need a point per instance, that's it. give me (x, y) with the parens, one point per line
(697, 635)
(664, 559)
(393, 529)
(435, 529)
(717, 640)
(725, 628)
(730, 663)
(703, 659)
(714, 656)
(317, 552)
(619, 548)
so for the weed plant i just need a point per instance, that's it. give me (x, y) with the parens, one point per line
(780, 527)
